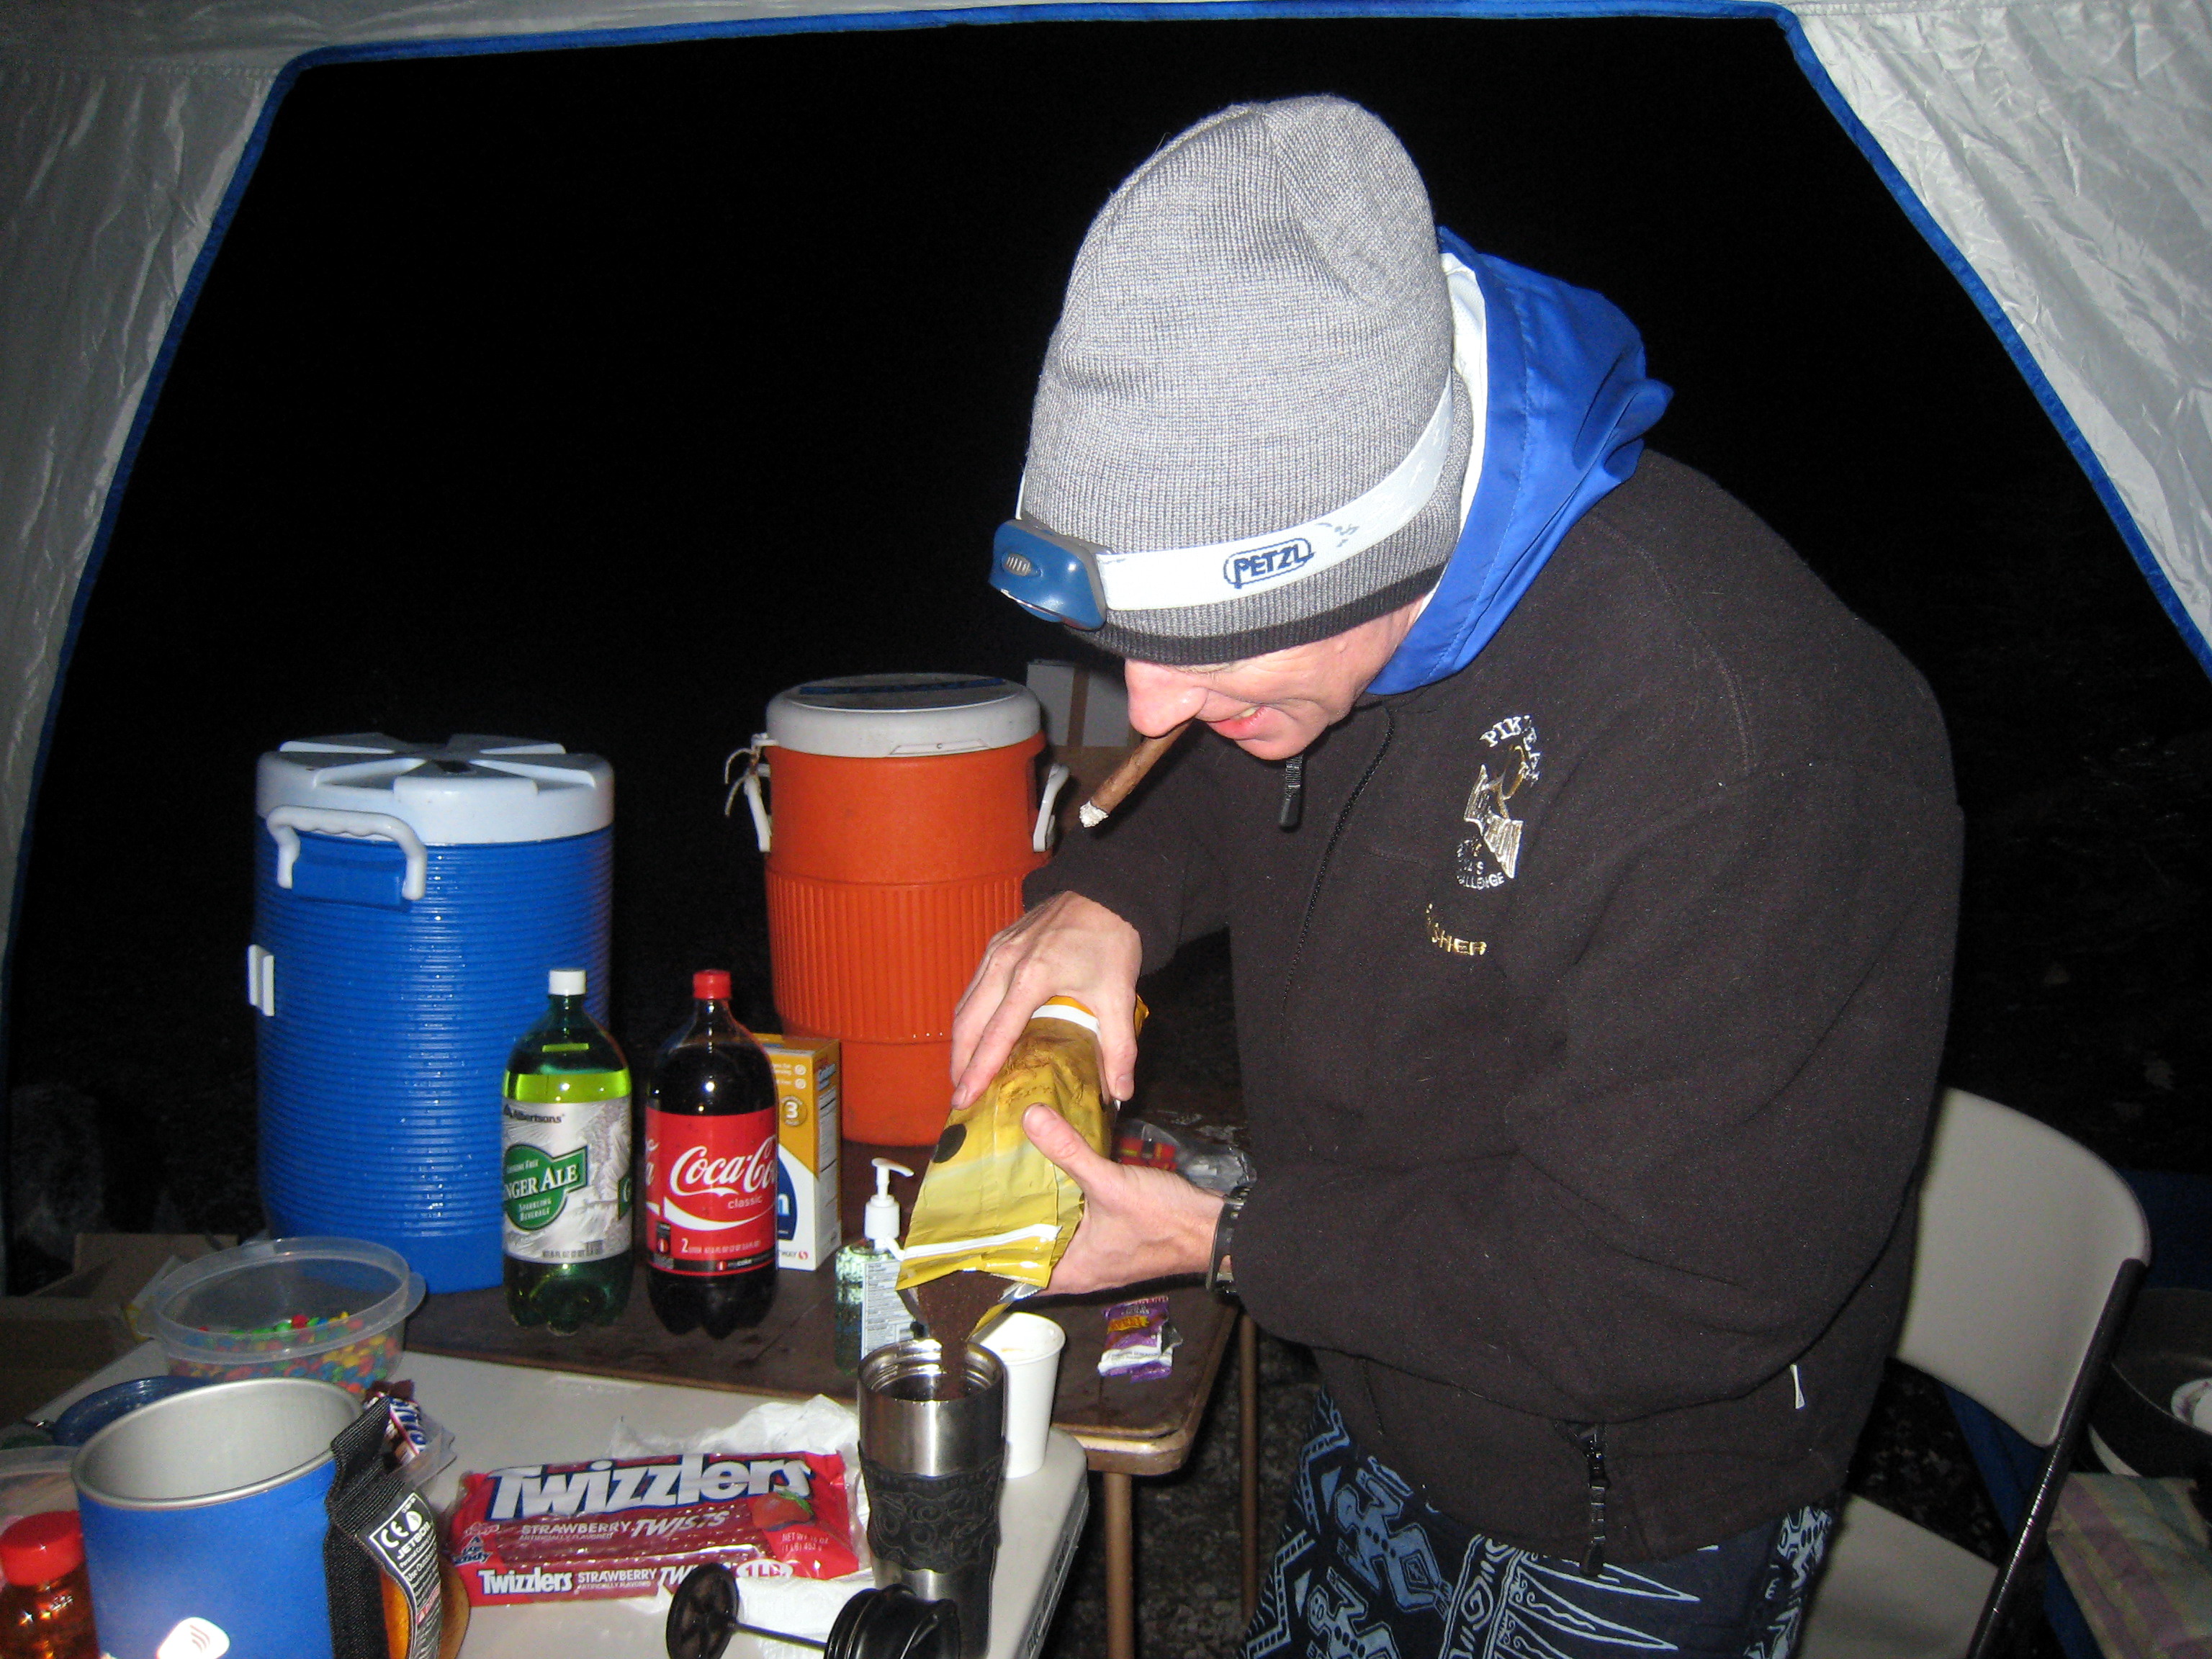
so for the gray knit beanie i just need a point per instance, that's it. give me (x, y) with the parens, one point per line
(1257, 333)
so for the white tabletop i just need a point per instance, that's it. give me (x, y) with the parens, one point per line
(501, 1415)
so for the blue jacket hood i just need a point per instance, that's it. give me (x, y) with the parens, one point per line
(1569, 405)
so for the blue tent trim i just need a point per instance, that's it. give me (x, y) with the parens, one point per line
(1099, 10)
(2016, 348)
(1076, 11)
(1104, 10)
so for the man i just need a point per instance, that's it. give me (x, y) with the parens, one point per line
(1589, 1014)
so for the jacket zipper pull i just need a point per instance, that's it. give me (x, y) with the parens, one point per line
(1593, 1445)
(1294, 793)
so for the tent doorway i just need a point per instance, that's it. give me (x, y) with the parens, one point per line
(596, 395)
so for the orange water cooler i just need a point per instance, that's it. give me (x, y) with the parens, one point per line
(901, 814)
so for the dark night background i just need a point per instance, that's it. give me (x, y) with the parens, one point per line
(598, 395)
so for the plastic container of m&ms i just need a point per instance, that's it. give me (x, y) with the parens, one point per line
(330, 1309)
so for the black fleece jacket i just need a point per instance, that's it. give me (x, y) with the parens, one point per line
(1589, 1026)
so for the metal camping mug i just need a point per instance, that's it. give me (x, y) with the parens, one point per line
(203, 1518)
(934, 1462)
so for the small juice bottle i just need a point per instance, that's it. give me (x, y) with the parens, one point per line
(45, 1610)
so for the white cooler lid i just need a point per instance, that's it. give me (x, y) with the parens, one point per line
(470, 789)
(873, 716)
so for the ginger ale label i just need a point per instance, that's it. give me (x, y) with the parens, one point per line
(565, 1179)
(538, 1186)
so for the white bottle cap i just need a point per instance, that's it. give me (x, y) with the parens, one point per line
(565, 982)
(880, 1221)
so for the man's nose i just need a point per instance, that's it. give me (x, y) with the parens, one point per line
(1160, 699)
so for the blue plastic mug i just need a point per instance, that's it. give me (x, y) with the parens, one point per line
(208, 1505)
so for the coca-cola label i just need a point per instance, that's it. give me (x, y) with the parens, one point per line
(709, 1191)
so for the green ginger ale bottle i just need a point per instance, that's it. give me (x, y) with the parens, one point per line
(565, 1165)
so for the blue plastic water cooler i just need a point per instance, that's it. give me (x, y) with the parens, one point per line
(408, 901)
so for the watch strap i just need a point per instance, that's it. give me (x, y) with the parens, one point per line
(1221, 1266)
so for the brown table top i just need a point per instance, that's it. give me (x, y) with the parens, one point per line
(1125, 1427)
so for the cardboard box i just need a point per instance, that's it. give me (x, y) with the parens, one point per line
(116, 1269)
(53, 1340)
(51, 1345)
(1084, 708)
(808, 1228)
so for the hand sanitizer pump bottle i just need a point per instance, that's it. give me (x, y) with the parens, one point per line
(870, 1314)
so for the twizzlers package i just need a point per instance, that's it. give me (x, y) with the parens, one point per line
(574, 1532)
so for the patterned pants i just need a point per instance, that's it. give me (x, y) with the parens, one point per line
(1367, 1569)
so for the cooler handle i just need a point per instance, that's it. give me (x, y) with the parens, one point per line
(757, 768)
(1054, 781)
(286, 822)
(261, 979)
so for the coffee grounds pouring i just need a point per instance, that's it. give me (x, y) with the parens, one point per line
(951, 1309)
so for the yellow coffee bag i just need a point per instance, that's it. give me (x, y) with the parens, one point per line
(990, 1202)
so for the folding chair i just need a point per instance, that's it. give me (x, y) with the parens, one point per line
(2030, 1248)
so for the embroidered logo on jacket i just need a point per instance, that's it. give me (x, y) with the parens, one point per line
(1490, 857)
(1452, 944)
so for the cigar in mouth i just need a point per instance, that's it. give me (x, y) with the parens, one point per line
(1127, 776)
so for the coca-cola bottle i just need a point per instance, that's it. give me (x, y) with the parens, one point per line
(709, 1178)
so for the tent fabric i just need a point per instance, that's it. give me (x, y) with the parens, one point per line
(2063, 153)
(2055, 152)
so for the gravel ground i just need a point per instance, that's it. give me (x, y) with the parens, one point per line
(1188, 1554)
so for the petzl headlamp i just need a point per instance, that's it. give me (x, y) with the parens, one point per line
(1065, 579)
(1048, 575)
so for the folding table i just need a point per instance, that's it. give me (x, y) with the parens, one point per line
(1126, 1429)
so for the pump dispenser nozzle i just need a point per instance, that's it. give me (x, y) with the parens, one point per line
(880, 1221)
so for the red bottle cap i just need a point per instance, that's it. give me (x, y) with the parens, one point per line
(40, 1548)
(711, 985)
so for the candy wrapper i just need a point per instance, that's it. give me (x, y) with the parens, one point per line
(614, 1527)
(415, 1442)
(1202, 1162)
(990, 1202)
(1140, 1340)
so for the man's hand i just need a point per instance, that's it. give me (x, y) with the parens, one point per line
(1138, 1223)
(1068, 946)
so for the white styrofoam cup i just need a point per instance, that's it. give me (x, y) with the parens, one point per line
(1028, 1345)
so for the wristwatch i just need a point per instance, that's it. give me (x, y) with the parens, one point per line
(1221, 1268)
